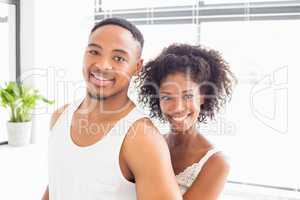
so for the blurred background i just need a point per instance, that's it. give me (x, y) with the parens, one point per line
(42, 44)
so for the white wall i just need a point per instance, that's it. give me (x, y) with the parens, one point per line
(53, 36)
(62, 29)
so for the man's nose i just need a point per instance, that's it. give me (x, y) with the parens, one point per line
(104, 64)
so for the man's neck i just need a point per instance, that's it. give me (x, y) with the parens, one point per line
(107, 109)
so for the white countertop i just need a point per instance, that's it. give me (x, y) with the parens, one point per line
(23, 171)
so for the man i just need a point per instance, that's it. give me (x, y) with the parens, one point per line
(100, 146)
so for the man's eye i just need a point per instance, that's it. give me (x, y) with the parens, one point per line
(188, 96)
(119, 59)
(93, 52)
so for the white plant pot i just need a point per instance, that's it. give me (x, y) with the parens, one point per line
(18, 133)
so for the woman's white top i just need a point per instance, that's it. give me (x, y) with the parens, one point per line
(186, 178)
(91, 172)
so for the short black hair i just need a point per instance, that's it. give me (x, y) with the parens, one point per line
(205, 66)
(136, 33)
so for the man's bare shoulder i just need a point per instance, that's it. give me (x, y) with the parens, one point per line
(56, 114)
(143, 129)
(144, 139)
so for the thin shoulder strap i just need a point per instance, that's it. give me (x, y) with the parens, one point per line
(203, 160)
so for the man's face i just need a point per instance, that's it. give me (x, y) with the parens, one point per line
(111, 58)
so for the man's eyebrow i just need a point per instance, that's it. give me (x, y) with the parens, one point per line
(94, 45)
(121, 51)
(115, 50)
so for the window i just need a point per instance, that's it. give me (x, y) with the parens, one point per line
(260, 40)
(9, 50)
(261, 54)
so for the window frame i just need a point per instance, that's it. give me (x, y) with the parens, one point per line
(201, 12)
(17, 66)
(17, 69)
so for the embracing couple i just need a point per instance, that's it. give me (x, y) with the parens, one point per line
(103, 148)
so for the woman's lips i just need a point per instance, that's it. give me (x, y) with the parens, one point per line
(180, 118)
(179, 122)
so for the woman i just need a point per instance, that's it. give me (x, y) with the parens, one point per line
(184, 86)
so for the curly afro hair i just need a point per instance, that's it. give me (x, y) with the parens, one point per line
(204, 66)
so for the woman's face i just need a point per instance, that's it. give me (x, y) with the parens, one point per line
(180, 101)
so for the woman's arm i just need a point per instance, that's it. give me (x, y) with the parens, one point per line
(210, 181)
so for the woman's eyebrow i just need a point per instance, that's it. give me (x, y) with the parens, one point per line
(187, 91)
(165, 92)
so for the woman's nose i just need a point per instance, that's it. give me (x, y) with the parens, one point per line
(179, 106)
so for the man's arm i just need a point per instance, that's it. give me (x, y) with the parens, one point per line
(46, 195)
(147, 156)
(54, 118)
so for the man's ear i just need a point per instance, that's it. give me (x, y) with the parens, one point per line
(139, 66)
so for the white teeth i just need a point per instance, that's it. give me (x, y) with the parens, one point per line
(99, 77)
(179, 118)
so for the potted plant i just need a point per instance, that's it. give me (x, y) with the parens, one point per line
(20, 101)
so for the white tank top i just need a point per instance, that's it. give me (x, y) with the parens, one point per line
(91, 172)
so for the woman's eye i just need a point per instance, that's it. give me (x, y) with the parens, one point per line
(119, 59)
(188, 96)
(165, 98)
(93, 52)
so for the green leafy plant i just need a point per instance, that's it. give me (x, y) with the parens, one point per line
(20, 100)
